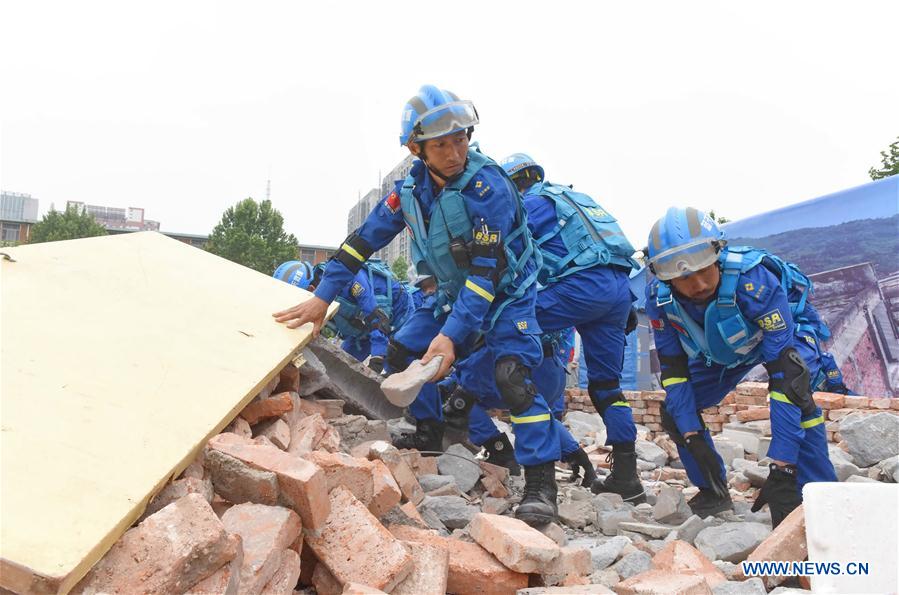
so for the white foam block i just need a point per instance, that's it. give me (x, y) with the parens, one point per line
(853, 523)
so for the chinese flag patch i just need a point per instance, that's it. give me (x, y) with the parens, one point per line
(393, 202)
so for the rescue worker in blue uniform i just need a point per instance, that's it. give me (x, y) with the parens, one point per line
(392, 299)
(423, 288)
(586, 270)
(468, 228)
(359, 321)
(716, 312)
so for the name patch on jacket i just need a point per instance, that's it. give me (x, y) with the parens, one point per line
(772, 321)
(357, 289)
(486, 237)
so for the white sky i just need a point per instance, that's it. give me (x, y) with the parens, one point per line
(185, 108)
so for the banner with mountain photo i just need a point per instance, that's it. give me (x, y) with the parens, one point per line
(848, 243)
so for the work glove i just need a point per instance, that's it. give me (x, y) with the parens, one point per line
(780, 492)
(708, 463)
(631, 324)
(376, 364)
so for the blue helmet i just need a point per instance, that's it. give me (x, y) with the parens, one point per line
(295, 272)
(433, 113)
(682, 242)
(519, 162)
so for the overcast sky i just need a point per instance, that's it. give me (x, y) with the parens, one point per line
(185, 108)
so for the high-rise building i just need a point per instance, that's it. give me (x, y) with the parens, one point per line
(358, 212)
(18, 212)
(116, 218)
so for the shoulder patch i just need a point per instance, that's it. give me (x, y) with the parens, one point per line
(522, 325)
(771, 321)
(657, 324)
(481, 186)
(357, 289)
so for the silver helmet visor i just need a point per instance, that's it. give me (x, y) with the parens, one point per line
(444, 119)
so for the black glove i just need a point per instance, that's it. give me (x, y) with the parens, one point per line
(631, 324)
(708, 464)
(780, 492)
(376, 364)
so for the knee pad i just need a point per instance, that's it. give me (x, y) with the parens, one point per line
(513, 382)
(604, 403)
(671, 428)
(398, 357)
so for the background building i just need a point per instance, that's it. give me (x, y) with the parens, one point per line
(18, 212)
(400, 244)
(116, 218)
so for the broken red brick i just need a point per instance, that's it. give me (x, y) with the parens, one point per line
(880, 403)
(273, 406)
(266, 532)
(662, 581)
(288, 380)
(385, 492)
(786, 542)
(176, 490)
(498, 471)
(357, 548)
(239, 482)
(324, 582)
(343, 470)
(359, 589)
(754, 414)
(494, 487)
(430, 568)
(302, 484)
(755, 389)
(313, 433)
(853, 402)
(400, 469)
(572, 562)
(277, 431)
(412, 512)
(240, 427)
(225, 580)
(516, 544)
(153, 558)
(286, 576)
(679, 557)
(828, 400)
(472, 569)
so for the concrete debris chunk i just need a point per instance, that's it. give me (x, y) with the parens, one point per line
(670, 506)
(461, 464)
(453, 511)
(169, 552)
(605, 554)
(871, 438)
(313, 373)
(176, 490)
(753, 586)
(731, 541)
(402, 388)
(651, 453)
(577, 514)
(632, 564)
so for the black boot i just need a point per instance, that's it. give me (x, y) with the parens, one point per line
(623, 479)
(428, 436)
(579, 460)
(707, 503)
(538, 505)
(500, 452)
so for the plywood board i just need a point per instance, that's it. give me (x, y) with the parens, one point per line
(119, 357)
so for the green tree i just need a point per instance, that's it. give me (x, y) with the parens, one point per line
(718, 219)
(890, 163)
(400, 268)
(70, 224)
(252, 234)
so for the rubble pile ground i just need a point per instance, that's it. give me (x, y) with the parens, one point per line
(297, 496)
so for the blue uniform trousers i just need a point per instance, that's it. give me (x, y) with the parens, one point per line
(515, 333)
(712, 383)
(596, 302)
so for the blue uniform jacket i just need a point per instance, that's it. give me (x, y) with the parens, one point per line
(490, 200)
(542, 219)
(759, 297)
(361, 293)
